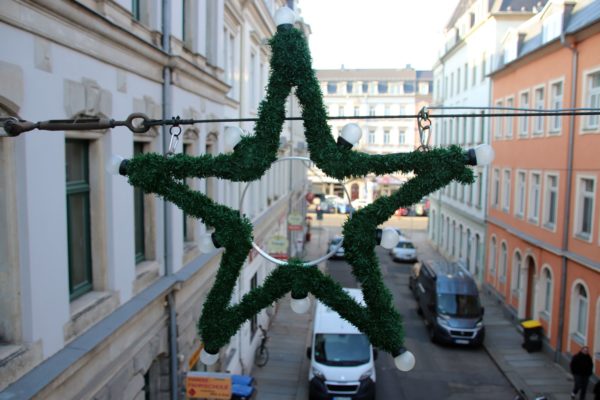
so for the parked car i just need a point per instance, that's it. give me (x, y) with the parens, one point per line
(333, 243)
(448, 299)
(404, 251)
(341, 206)
(357, 204)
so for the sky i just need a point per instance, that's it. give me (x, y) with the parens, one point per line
(375, 33)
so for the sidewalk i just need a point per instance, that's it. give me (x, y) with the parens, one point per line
(285, 377)
(535, 373)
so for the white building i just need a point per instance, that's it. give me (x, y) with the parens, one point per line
(473, 43)
(102, 286)
(374, 92)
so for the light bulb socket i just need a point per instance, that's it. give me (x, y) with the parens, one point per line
(215, 242)
(344, 144)
(299, 295)
(123, 167)
(378, 235)
(284, 27)
(399, 351)
(470, 157)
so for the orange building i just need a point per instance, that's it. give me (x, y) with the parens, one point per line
(543, 238)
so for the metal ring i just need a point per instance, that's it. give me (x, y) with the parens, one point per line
(140, 128)
(276, 260)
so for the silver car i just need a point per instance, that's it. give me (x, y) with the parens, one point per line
(404, 251)
(333, 243)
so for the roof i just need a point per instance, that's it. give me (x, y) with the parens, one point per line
(452, 277)
(583, 14)
(329, 321)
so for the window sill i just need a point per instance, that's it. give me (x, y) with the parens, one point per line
(550, 227)
(146, 272)
(583, 236)
(576, 337)
(190, 251)
(87, 310)
(18, 359)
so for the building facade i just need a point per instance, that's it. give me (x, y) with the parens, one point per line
(472, 45)
(374, 92)
(543, 239)
(102, 285)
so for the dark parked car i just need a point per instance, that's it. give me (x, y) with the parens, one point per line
(448, 300)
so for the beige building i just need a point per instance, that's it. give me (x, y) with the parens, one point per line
(102, 286)
(373, 92)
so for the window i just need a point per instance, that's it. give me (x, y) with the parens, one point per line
(139, 210)
(451, 84)
(458, 75)
(386, 136)
(382, 87)
(538, 121)
(365, 87)
(356, 111)
(533, 207)
(474, 75)
(254, 319)
(135, 9)
(550, 201)
(386, 110)
(503, 261)
(496, 188)
(341, 111)
(253, 86)
(371, 136)
(229, 57)
(466, 69)
(510, 103)
(493, 256)
(78, 217)
(483, 67)
(188, 222)
(593, 99)
(479, 189)
(498, 121)
(516, 274)
(524, 121)
(580, 304)
(506, 190)
(371, 110)
(402, 137)
(520, 194)
(585, 207)
(350, 87)
(547, 288)
(556, 100)
(331, 88)
(409, 87)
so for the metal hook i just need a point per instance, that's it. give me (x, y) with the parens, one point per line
(174, 138)
(424, 124)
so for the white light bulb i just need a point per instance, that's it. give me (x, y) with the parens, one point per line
(113, 165)
(233, 135)
(389, 238)
(300, 306)
(206, 243)
(484, 154)
(405, 361)
(351, 133)
(207, 358)
(285, 15)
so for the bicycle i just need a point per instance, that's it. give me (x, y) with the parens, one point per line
(261, 355)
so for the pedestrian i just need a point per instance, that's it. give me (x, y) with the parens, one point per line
(581, 368)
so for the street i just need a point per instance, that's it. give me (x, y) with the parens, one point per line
(441, 372)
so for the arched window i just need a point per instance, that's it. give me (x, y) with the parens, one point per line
(516, 273)
(547, 288)
(493, 256)
(580, 306)
(503, 261)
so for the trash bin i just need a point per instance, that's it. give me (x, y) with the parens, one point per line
(532, 335)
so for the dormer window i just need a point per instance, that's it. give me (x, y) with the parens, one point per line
(551, 27)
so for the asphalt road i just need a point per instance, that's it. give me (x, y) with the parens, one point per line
(441, 372)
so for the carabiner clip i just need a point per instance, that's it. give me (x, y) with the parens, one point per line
(174, 139)
(424, 125)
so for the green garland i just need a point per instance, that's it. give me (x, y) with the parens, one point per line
(291, 67)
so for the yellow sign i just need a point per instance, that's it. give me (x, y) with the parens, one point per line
(208, 385)
(294, 221)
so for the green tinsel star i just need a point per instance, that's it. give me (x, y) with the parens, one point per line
(291, 66)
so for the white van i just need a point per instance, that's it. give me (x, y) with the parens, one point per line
(342, 360)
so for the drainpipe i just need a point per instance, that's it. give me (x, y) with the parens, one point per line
(167, 220)
(567, 209)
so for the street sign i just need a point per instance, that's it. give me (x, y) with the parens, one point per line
(294, 221)
(208, 385)
(277, 247)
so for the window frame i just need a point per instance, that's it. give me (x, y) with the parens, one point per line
(509, 119)
(587, 94)
(520, 194)
(495, 198)
(524, 121)
(506, 186)
(579, 198)
(552, 128)
(535, 129)
(547, 191)
(531, 202)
